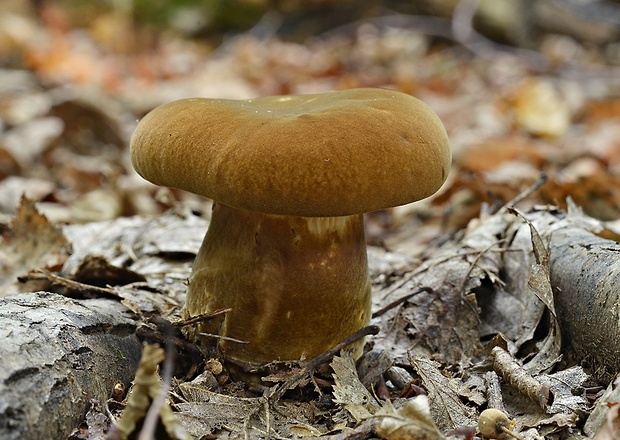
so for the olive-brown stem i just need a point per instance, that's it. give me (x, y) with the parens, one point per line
(296, 285)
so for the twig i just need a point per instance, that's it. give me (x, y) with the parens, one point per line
(525, 194)
(202, 317)
(513, 373)
(224, 338)
(145, 333)
(400, 301)
(494, 391)
(268, 419)
(75, 285)
(462, 19)
(279, 390)
(364, 431)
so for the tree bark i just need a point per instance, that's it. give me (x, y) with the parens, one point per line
(56, 354)
(585, 275)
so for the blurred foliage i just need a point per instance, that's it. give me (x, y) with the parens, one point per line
(192, 16)
(186, 16)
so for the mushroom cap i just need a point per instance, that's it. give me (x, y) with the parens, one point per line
(320, 155)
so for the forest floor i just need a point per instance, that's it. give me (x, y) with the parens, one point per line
(534, 125)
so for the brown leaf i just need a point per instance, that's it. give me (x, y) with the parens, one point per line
(411, 421)
(444, 395)
(529, 281)
(611, 427)
(349, 392)
(97, 271)
(602, 109)
(540, 109)
(8, 165)
(31, 242)
(492, 153)
(146, 393)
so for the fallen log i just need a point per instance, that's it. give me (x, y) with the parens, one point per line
(583, 270)
(585, 275)
(56, 354)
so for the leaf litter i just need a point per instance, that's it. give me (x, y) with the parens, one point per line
(489, 279)
(461, 271)
(30, 242)
(413, 333)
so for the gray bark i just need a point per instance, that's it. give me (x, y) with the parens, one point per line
(56, 354)
(585, 274)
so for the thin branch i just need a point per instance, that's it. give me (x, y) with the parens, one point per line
(400, 301)
(525, 194)
(279, 390)
(202, 317)
(72, 284)
(224, 338)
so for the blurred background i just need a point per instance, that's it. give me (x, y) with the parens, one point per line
(522, 86)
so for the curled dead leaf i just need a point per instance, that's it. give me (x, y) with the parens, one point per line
(411, 421)
(611, 426)
(513, 373)
(146, 390)
(31, 242)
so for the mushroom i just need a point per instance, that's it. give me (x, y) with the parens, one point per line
(290, 177)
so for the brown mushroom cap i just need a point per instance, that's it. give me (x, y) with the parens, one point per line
(321, 155)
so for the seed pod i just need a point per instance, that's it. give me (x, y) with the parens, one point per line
(494, 424)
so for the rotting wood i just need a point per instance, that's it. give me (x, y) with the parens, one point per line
(494, 391)
(519, 378)
(56, 354)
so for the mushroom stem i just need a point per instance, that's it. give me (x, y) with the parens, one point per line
(296, 285)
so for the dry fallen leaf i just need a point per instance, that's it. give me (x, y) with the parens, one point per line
(412, 421)
(145, 393)
(444, 322)
(349, 392)
(599, 417)
(444, 395)
(31, 242)
(539, 284)
(611, 427)
(540, 108)
(206, 412)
